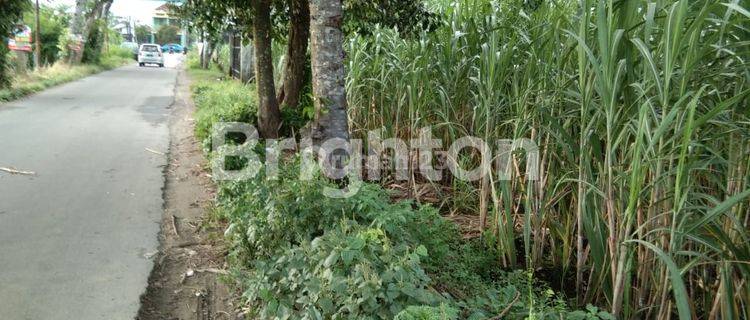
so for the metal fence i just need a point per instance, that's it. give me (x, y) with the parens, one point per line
(235, 45)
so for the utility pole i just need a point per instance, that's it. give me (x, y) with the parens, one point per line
(38, 49)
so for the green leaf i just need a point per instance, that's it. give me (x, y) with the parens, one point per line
(357, 244)
(678, 286)
(737, 8)
(332, 259)
(347, 256)
(422, 251)
(718, 210)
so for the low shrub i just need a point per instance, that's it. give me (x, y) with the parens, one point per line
(300, 254)
(221, 101)
(350, 272)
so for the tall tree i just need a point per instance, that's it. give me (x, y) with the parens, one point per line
(95, 31)
(77, 25)
(269, 117)
(168, 34)
(86, 17)
(328, 70)
(296, 53)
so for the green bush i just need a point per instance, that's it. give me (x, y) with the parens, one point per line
(53, 23)
(222, 101)
(305, 254)
(92, 48)
(301, 254)
(350, 272)
(193, 59)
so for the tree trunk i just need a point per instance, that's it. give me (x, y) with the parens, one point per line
(328, 71)
(105, 10)
(215, 55)
(205, 54)
(269, 117)
(99, 11)
(202, 50)
(296, 54)
(76, 30)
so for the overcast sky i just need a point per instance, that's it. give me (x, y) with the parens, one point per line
(140, 10)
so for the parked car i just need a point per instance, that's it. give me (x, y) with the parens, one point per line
(172, 48)
(132, 46)
(150, 53)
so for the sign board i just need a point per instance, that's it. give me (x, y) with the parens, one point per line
(21, 40)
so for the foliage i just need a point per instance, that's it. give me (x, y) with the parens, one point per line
(209, 17)
(348, 272)
(591, 313)
(442, 312)
(116, 53)
(92, 49)
(290, 244)
(409, 17)
(639, 110)
(168, 34)
(143, 33)
(217, 100)
(57, 74)
(299, 253)
(12, 11)
(54, 22)
(64, 41)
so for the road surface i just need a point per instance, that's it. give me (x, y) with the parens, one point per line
(76, 238)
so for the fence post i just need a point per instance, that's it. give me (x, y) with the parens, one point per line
(247, 63)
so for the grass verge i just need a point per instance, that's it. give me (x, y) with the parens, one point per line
(56, 74)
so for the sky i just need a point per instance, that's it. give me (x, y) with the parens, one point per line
(140, 10)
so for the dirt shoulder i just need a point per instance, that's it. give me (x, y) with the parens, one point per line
(185, 282)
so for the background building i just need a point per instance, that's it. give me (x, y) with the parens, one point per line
(162, 17)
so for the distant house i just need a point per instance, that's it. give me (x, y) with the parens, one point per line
(162, 17)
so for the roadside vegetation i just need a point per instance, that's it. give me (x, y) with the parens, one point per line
(641, 210)
(57, 62)
(59, 73)
(297, 254)
(640, 111)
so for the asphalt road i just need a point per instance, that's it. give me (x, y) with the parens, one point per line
(76, 239)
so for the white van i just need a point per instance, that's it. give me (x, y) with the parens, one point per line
(150, 53)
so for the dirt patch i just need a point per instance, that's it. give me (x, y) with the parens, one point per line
(185, 283)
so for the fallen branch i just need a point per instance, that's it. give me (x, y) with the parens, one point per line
(189, 244)
(155, 152)
(510, 305)
(213, 270)
(14, 171)
(174, 226)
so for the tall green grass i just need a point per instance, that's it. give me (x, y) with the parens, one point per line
(640, 110)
